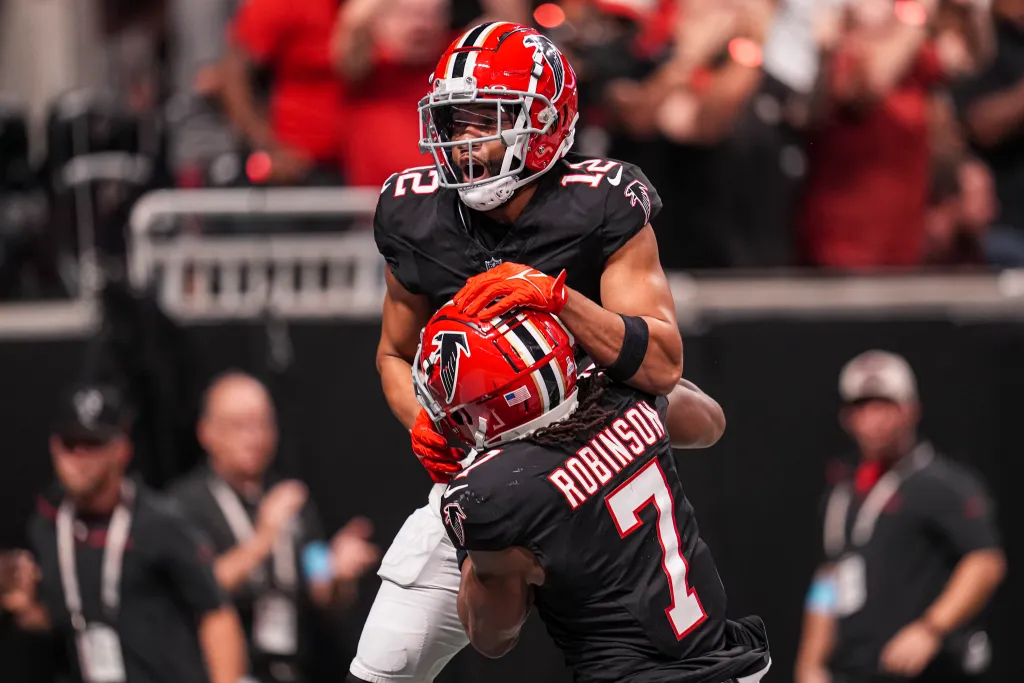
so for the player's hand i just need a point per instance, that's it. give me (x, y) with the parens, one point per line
(910, 650)
(352, 553)
(280, 506)
(437, 457)
(511, 285)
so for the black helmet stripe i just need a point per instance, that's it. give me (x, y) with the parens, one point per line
(470, 40)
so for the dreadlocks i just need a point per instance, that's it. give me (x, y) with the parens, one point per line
(577, 427)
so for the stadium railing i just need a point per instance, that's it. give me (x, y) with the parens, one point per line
(202, 277)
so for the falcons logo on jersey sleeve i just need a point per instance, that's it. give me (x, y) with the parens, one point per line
(637, 193)
(453, 517)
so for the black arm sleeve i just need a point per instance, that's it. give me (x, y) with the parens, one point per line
(630, 205)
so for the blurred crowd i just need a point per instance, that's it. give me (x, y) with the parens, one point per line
(844, 134)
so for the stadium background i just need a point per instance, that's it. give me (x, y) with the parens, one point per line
(768, 344)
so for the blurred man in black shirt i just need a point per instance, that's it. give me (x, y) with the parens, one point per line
(122, 579)
(267, 535)
(911, 550)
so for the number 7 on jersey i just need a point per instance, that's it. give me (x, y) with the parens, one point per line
(625, 503)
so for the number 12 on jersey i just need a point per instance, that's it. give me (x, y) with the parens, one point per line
(649, 486)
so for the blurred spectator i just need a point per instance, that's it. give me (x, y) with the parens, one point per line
(962, 207)
(911, 549)
(200, 133)
(386, 51)
(303, 137)
(467, 12)
(124, 581)
(271, 556)
(711, 121)
(962, 201)
(992, 107)
(868, 184)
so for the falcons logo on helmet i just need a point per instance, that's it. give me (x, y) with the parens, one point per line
(637, 192)
(551, 55)
(448, 349)
(453, 517)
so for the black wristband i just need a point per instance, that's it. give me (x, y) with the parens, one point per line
(634, 348)
(461, 555)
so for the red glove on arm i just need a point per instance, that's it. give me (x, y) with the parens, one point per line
(518, 286)
(437, 457)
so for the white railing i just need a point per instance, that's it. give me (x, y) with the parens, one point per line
(240, 276)
(295, 276)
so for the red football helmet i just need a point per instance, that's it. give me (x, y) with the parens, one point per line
(487, 382)
(524, 76)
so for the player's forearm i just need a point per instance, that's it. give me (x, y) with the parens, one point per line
(396, 379)
(601, 333)
(695, 420)
(234, 567)
(223, 644)
(491, 616)
(968, 590)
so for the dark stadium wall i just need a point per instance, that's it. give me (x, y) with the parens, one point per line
(756, 493)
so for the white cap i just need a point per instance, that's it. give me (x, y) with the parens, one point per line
(878, 374)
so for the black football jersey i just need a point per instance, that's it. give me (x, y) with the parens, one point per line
(583, 210)
(631, 592)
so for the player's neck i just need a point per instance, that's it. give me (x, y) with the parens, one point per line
(509, 212)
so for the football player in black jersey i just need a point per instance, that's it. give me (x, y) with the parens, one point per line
(506, 206)
(573, 504)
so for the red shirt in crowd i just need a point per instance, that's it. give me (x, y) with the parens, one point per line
(292, 38)
(867, 190)
(383, 121)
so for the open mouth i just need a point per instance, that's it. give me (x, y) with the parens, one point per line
(473, 169)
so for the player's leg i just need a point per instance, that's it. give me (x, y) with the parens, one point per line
(413, 629)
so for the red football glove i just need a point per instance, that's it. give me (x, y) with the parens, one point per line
(437, 457)
(515, 286)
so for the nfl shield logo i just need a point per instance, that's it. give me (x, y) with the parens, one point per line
(492, 263)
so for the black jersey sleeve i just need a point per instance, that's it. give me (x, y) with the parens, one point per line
(498, 504)
(392, 245)
(631, 204)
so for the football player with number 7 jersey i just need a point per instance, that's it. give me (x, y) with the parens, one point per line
(575, 507)
(506, 216)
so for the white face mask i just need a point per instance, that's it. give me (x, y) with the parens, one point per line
(489, 195)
